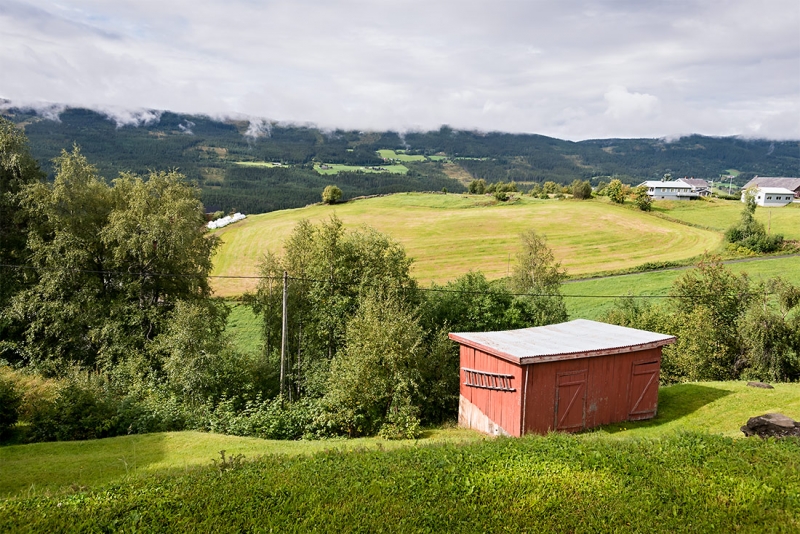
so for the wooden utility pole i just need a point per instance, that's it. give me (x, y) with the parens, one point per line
(284, 328)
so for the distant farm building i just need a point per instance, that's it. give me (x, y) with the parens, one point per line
(770, 197)
(793, 184)
(676, 190)
(567, 377)
(699, 186)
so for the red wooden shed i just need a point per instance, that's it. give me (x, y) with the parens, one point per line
(568, 377)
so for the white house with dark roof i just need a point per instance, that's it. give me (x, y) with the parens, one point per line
(793, 184)
(699, 186)
(770, 197)
(675, 190)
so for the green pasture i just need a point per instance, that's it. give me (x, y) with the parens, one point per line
(46, 468)
(590, 299)
(336, 168)
(400, 155)
(713, 407)
(683, 471)
(448, 235)
(245, 327)
(722, 214)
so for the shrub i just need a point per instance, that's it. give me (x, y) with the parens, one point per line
(616, 191)
(642, 199)
(750, 234)
(10, 401)
(266, 419)
(581, 190)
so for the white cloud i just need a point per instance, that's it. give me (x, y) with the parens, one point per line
(623, 104)
(576, 69)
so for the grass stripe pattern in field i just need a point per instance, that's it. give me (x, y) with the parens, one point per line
(449, 235)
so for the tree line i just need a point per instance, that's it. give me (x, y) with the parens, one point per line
(108, 324)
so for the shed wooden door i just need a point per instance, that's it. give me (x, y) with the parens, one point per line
(643, 390)
(571, 401)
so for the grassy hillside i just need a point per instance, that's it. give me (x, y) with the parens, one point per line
(46, 468)
(447, 235)
(721, 214)
(588, 299)
(638, 477)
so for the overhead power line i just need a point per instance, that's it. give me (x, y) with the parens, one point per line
(278, 278)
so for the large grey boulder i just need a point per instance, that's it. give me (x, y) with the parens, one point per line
(771, 424)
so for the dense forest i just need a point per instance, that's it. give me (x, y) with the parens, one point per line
(211, 151)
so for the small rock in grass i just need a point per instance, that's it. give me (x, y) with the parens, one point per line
(771, 425)
(759, 385)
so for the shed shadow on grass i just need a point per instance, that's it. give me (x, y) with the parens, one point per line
(674, 402)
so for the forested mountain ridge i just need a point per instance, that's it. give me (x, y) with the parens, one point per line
(216, 154)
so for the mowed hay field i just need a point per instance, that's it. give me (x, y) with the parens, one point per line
(590, 299)
(448, 235)
(721, 214)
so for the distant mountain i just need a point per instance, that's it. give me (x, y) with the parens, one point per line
(236, 162)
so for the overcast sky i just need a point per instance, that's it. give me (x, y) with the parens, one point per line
(568, 69)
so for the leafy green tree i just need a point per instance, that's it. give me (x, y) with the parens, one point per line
(331, 194)
(749, 233)
(536, 190)
(330, 269)
(17, 171)
(616, 191)
(477, 187)
(707, 303)
(581, 189)
(551, 188)
(770, 330)
(642, 200)
(539, 275)
(471, 303)
(110, 263)
(377, 374)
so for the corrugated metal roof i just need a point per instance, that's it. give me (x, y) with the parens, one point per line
(674, 184)
(769, 181)
(580, 338)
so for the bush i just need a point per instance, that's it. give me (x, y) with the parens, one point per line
(80, 410)
(750, 234)
(10, 401)
(266, 419)
(642, 199)
(581, 190)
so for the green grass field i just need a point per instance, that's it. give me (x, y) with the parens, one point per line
(400, 156)
(336, 168)
(447, 235)
(722, 214)
(680, 472)
(268, 164)
(589, 299)
(245, 327)
(46, 468)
